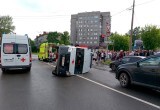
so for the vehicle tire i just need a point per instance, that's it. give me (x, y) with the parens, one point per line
(3, 70)
(113, 67)
(124, 80)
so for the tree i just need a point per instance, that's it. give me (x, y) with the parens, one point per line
(135, 35)
(120, 42)
(65, 38)
(6, 25)
(150, 36)
(53, 37)
(33, 47)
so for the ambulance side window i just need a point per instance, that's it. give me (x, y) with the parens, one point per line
(8, 48)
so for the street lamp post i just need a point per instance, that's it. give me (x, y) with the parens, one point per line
(131, 34)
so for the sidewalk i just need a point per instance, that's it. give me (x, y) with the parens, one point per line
(100, 66)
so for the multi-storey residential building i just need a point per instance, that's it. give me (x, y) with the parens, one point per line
(87, 28)
(40, 39)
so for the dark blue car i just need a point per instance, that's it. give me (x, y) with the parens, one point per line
(145, 72)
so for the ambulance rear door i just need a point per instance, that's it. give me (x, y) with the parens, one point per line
(7, 50)
(22, 54)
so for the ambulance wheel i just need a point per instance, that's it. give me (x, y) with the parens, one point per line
(3, 70)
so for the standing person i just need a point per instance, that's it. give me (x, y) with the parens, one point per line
(99, 56)
(102, 55)
(50, 56)
(56, 58)
(94, 56)
(121, 54)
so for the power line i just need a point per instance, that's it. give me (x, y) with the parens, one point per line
(145, 2)
(121, 11)
(130, 8)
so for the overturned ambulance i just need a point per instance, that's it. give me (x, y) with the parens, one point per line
(72, 60)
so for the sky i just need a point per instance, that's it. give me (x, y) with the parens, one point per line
(32, 17)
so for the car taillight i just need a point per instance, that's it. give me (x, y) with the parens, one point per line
(30, 57)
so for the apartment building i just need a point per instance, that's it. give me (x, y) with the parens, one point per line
(87, 28)
(40, 39)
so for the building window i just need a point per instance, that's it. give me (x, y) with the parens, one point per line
(95, 16)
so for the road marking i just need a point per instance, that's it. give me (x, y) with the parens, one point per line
(138, 99)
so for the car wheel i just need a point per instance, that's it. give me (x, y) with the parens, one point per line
(124, 80)
(28, 68)
(113, 67)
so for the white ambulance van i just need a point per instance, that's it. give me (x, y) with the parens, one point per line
(15, 52)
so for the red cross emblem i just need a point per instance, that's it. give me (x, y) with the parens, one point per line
(73, 61)
(23, 59)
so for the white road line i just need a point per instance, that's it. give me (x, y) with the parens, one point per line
(143, 101)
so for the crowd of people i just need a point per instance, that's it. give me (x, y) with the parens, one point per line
(116, 55)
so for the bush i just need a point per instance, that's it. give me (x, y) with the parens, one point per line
(107, 62)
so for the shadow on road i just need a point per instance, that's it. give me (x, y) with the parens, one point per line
(14, 72)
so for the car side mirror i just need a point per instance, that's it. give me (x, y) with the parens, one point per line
(138, 64)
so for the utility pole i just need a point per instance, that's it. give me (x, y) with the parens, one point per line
(131, 33)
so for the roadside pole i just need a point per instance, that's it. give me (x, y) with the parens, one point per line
(131, 33)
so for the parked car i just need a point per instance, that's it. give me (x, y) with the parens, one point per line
(157, 53)
(145, 72)
(127, 59)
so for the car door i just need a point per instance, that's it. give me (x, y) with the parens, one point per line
(146, 72)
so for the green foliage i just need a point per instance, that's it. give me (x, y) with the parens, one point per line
(6, 25)
(33, 47)
(53, 37)
(151, 37)
(120, 42)
(65, 38)
(136, 34)
(107, 62)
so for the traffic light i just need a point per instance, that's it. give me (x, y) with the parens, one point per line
(102, 38)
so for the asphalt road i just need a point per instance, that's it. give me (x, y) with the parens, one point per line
(96, 90)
